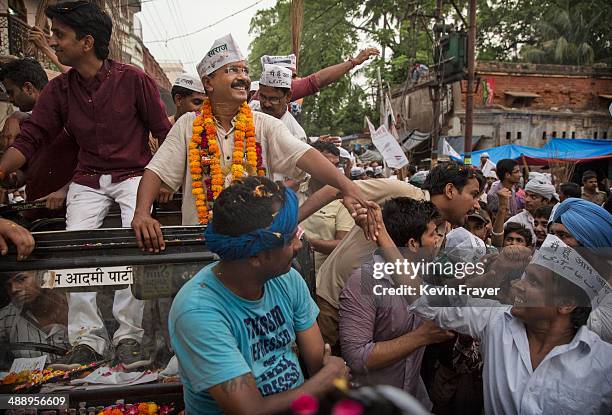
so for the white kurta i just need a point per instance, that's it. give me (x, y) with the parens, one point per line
(574, 378)
(280, 153)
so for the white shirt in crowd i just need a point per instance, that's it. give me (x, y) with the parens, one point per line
(574, 378)
(294, 126)
(280, 153)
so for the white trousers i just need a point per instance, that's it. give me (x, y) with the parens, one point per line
(86, 208)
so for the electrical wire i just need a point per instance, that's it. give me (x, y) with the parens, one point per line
(205, 27)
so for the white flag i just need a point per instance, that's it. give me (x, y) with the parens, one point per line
(489, 169)
(388, 146)
(448, 150)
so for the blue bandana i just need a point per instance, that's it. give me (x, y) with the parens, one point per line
(590, 224)
(278, 234)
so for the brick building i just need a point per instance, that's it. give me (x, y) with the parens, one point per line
(517, 103)
(526, 104)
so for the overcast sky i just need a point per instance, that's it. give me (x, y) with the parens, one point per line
(163, 19)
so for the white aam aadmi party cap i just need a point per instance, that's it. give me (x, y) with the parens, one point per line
(275, 76)
(565, 261)
(225, 50)
(189, 82)
(289, 61)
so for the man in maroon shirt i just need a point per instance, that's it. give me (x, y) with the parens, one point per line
(109, 109)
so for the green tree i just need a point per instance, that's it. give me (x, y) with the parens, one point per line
(564, 37)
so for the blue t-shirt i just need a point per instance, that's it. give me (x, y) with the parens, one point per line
(218, 336)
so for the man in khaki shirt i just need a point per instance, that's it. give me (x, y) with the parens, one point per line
(590, 191)
(225, 78)
(329, 225)
(452, 187)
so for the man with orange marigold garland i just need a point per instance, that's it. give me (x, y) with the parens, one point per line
(205, 152)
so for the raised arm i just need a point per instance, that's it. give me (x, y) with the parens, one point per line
(331, 74)
(39, 39)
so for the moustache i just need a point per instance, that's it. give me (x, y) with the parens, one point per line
(240, 83)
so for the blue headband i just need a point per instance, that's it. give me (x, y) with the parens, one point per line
(277, 235)
(590, 224)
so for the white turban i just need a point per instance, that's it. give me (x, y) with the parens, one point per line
(546, 190)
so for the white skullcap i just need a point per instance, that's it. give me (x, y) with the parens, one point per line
(463, 246)
(485, 154)
(225, 50)
(190, 82)
(546, 190)
(563, 260)
(288, 62)
(254, 86)
(275, 76)
(344, 153)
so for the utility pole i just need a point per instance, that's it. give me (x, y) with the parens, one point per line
(469, 99)
(435, 133)
(381, 98)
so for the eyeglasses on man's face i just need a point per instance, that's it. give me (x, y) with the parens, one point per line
(237, 70)
(271, 100)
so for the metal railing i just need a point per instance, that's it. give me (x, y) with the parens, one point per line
(14, 40)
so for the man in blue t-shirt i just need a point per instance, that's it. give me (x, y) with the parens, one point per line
(235, 325)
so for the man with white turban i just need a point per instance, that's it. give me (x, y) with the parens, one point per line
(537, 194)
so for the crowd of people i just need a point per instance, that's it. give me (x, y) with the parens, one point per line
(469, 288)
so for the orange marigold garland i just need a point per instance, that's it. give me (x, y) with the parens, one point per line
(205, 156)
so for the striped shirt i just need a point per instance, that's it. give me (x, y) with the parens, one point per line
(20, 326)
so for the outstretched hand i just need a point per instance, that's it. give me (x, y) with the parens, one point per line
(365, 54)
(369, 218)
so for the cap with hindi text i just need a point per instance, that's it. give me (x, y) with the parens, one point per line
(223, 51)
(275, 76)
(289, 61)
(189, 82)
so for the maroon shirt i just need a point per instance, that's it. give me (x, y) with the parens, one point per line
(109, 117)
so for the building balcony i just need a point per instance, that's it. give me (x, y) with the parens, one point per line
(14, 43)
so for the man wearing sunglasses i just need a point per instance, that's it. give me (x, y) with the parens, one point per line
(109, 109)
(226, 80)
